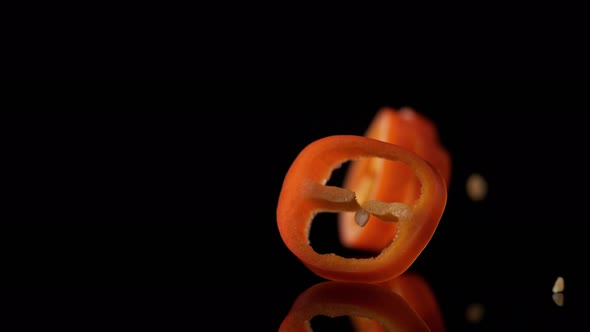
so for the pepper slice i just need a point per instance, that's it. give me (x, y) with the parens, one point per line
(388, 181)
(383, 309)
(304, 194)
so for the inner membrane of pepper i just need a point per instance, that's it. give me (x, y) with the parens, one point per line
(373, 180)
(382, 180)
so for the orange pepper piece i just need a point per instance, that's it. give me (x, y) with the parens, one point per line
(389, 181)
(304, 194)
(384, 309)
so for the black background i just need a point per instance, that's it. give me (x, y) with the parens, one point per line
(140, 206)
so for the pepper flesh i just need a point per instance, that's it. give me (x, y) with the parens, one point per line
(389, 181)
(304, 194)
(384, 309)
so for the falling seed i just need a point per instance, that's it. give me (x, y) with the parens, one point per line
(361, 217)
(559, 285)
(477, 187)
(474, 312)
(558, 299)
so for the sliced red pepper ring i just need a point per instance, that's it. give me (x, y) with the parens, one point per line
(304, 194)
(377, 179)
(383, 309)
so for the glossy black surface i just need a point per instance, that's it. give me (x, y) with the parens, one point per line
(155, 208)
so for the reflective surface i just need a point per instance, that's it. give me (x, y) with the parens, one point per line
(405, 303)
(166, 221)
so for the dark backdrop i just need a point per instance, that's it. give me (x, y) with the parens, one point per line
(153, 206)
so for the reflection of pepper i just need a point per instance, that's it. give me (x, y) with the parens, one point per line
(381, 307)
(304, 194)
(418, 294)
(388, 181)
